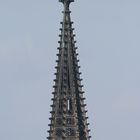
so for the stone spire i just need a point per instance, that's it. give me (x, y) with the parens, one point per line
(68, 119)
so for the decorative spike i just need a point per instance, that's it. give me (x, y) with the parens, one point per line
(54, 92)
(49, 138)
(85, 111)
(50, 125)
(55, 86)
(56, 67)
(83, 105)
(58, 55)
(79, 73)
(80, 79)
(86, 118)
(71, 22)
(82, 98)
(88, 130)
(53, 99)
(55, 80)
(55, 73)
(81, 92)
(52, 112)
(50, 131)
(52, 105)
(57, 61)
(81, 86)
(87, 124)
(51, 118)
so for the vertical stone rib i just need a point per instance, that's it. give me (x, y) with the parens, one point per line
(68, 115)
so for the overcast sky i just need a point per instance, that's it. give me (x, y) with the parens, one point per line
(108, 41)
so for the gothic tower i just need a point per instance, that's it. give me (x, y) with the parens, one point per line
(68, 119)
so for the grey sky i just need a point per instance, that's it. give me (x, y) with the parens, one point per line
(108, 40)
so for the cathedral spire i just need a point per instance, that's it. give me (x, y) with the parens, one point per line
(68, 115)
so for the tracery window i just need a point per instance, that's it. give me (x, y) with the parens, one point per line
(70, 132)
(59, 121)
(58, 132)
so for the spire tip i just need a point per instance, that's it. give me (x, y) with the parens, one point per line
(66, 1)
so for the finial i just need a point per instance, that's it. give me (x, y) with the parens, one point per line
(66, 1)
